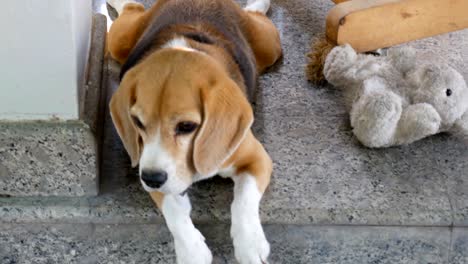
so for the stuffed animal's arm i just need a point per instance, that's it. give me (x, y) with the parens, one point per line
(417, 121)
(338, 65)
(403, 59)
(344, 66)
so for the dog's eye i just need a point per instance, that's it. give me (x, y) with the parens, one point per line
(448, 92)
(185, 127)
(137, 122)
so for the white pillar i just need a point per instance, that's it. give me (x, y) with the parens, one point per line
(43, 52)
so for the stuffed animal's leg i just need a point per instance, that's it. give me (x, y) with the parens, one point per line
(378, 119)
(375, 115)
(417, 121)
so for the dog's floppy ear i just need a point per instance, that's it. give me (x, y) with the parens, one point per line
(120, 105)
(227, 117)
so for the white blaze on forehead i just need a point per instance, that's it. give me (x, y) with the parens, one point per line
(178, 43)
(154, 156)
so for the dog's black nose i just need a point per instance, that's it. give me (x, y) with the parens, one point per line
(154, 178)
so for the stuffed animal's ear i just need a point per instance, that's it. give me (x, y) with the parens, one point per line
(227, 117)
(120, 105)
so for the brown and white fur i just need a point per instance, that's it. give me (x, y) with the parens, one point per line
(183, 114)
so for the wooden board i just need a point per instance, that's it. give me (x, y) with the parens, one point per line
(372, 24)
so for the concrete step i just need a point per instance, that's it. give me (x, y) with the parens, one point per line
(88, 243)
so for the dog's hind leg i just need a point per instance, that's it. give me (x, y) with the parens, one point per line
(261, 6)
(126, 29)
(119, 5)
(263, 37)
(189, 243)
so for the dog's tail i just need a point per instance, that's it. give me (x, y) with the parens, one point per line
(261, 6)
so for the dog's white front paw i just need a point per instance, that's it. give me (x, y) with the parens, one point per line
(192, 250)
(250, 245)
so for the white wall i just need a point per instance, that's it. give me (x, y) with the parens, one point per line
(43, 49)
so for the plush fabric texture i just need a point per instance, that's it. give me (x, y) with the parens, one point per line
(397, 99)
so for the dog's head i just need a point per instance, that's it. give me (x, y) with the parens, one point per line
(179, 114)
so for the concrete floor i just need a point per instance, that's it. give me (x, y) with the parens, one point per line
(321, 173)
(330, 200)
(149, 243)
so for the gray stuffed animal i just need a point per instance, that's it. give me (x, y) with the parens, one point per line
(396, 99)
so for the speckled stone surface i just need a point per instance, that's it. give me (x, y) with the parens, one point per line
(321, 171)
(322, 175)
(289, 244)
(345, 203)
(459, 249)
(47, 158)
(58, 157)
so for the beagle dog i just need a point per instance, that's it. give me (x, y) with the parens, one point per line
(182, 109)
